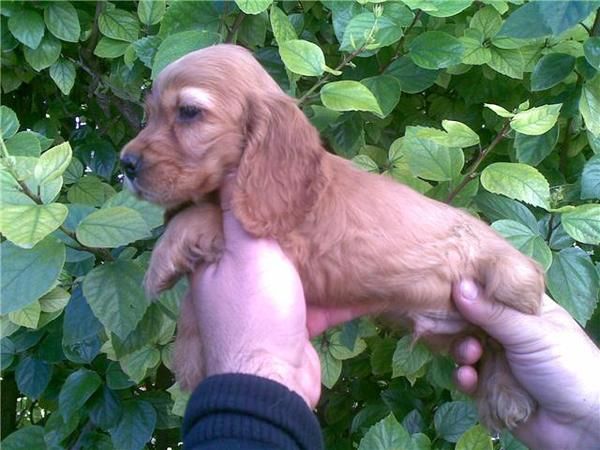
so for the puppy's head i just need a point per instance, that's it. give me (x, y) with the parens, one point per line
(197, 125)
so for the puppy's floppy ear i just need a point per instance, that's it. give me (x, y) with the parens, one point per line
(280, 174)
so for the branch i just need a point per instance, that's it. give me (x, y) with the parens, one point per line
(235, 27)
(349, 57)
(470, 175)
(398, 51)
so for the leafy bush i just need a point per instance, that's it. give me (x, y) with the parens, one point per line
(492, 106)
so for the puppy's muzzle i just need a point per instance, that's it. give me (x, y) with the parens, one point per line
(131, 166)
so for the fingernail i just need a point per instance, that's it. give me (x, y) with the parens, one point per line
(468, 290)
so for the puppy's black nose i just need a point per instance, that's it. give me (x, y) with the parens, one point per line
(131, 166)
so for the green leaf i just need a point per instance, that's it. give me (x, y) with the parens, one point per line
(430, 160)
(136, 425)
(518, 181)
(525, 240)
(151, 213)
(499, 110)
(436, 50)
(112, 227)
(9, 123)
(507, 62)
(28, 317)
(533, 150)
(459, 134)
(386, 90)
(145, 49)
(349, 96)
(331, 367)
(341, 351)
(119, 24)
(591, 50)
(30, 274)
(574, 283)
(371, 32)
(536, 121)
(190, 16)
(452, 419)
(27, 26)
(409, 357)
(27, 438)
(475, 438)
(45, 54)
(62, 21)
(26, 225)
(589, 105)
(53, 163)
(114, 292)
(137, 363)
(106, 408)
(55, 300)
(583, 223)
(151, 11)
(89, 190)
(544, 18)
(32, 376)
(281, 26)
(302, 57)
(487, 20)
(63, 74)
(387, 434)
(179, 44)
(590, 179)
(551, 70)
(475, 53)
(110, 48)
(253, 6)
(439, 8)
(76, 390)
(24, 143)
(413, 79)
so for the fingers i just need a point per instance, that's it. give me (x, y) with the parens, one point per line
(467, 351)
(465, 379)
(505, 324)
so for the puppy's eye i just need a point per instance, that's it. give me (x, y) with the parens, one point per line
(188, 112)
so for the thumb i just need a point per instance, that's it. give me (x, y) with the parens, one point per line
(506, 325)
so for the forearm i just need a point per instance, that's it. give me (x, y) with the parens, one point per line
(251, 412)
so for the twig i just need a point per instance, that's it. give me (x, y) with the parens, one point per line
(349, 57)
(470, 175)
(398, 50)
(235, 27)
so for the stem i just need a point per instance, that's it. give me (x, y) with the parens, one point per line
(550, 227)
(349, 57)
(471, 171)
(398, 51)
(235, 27)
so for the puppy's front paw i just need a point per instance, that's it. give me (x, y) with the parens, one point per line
(194, 236)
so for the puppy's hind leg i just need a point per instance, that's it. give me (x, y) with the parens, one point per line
(192, 237)
(502, 402)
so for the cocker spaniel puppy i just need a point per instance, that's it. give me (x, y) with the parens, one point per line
(355, 237)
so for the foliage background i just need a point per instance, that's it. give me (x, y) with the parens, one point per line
(86, 358)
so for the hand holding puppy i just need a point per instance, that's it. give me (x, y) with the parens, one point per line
(550, 356)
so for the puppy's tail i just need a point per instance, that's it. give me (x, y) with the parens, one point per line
(514, 280)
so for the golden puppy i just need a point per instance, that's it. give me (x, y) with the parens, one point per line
(355, 237)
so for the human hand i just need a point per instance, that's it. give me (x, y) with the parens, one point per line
(253, 316)
(551, 357)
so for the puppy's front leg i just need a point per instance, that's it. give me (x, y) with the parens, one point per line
(194, 236)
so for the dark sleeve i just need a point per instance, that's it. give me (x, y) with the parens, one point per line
(246, 412)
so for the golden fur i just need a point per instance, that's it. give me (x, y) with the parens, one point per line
(354, 237)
